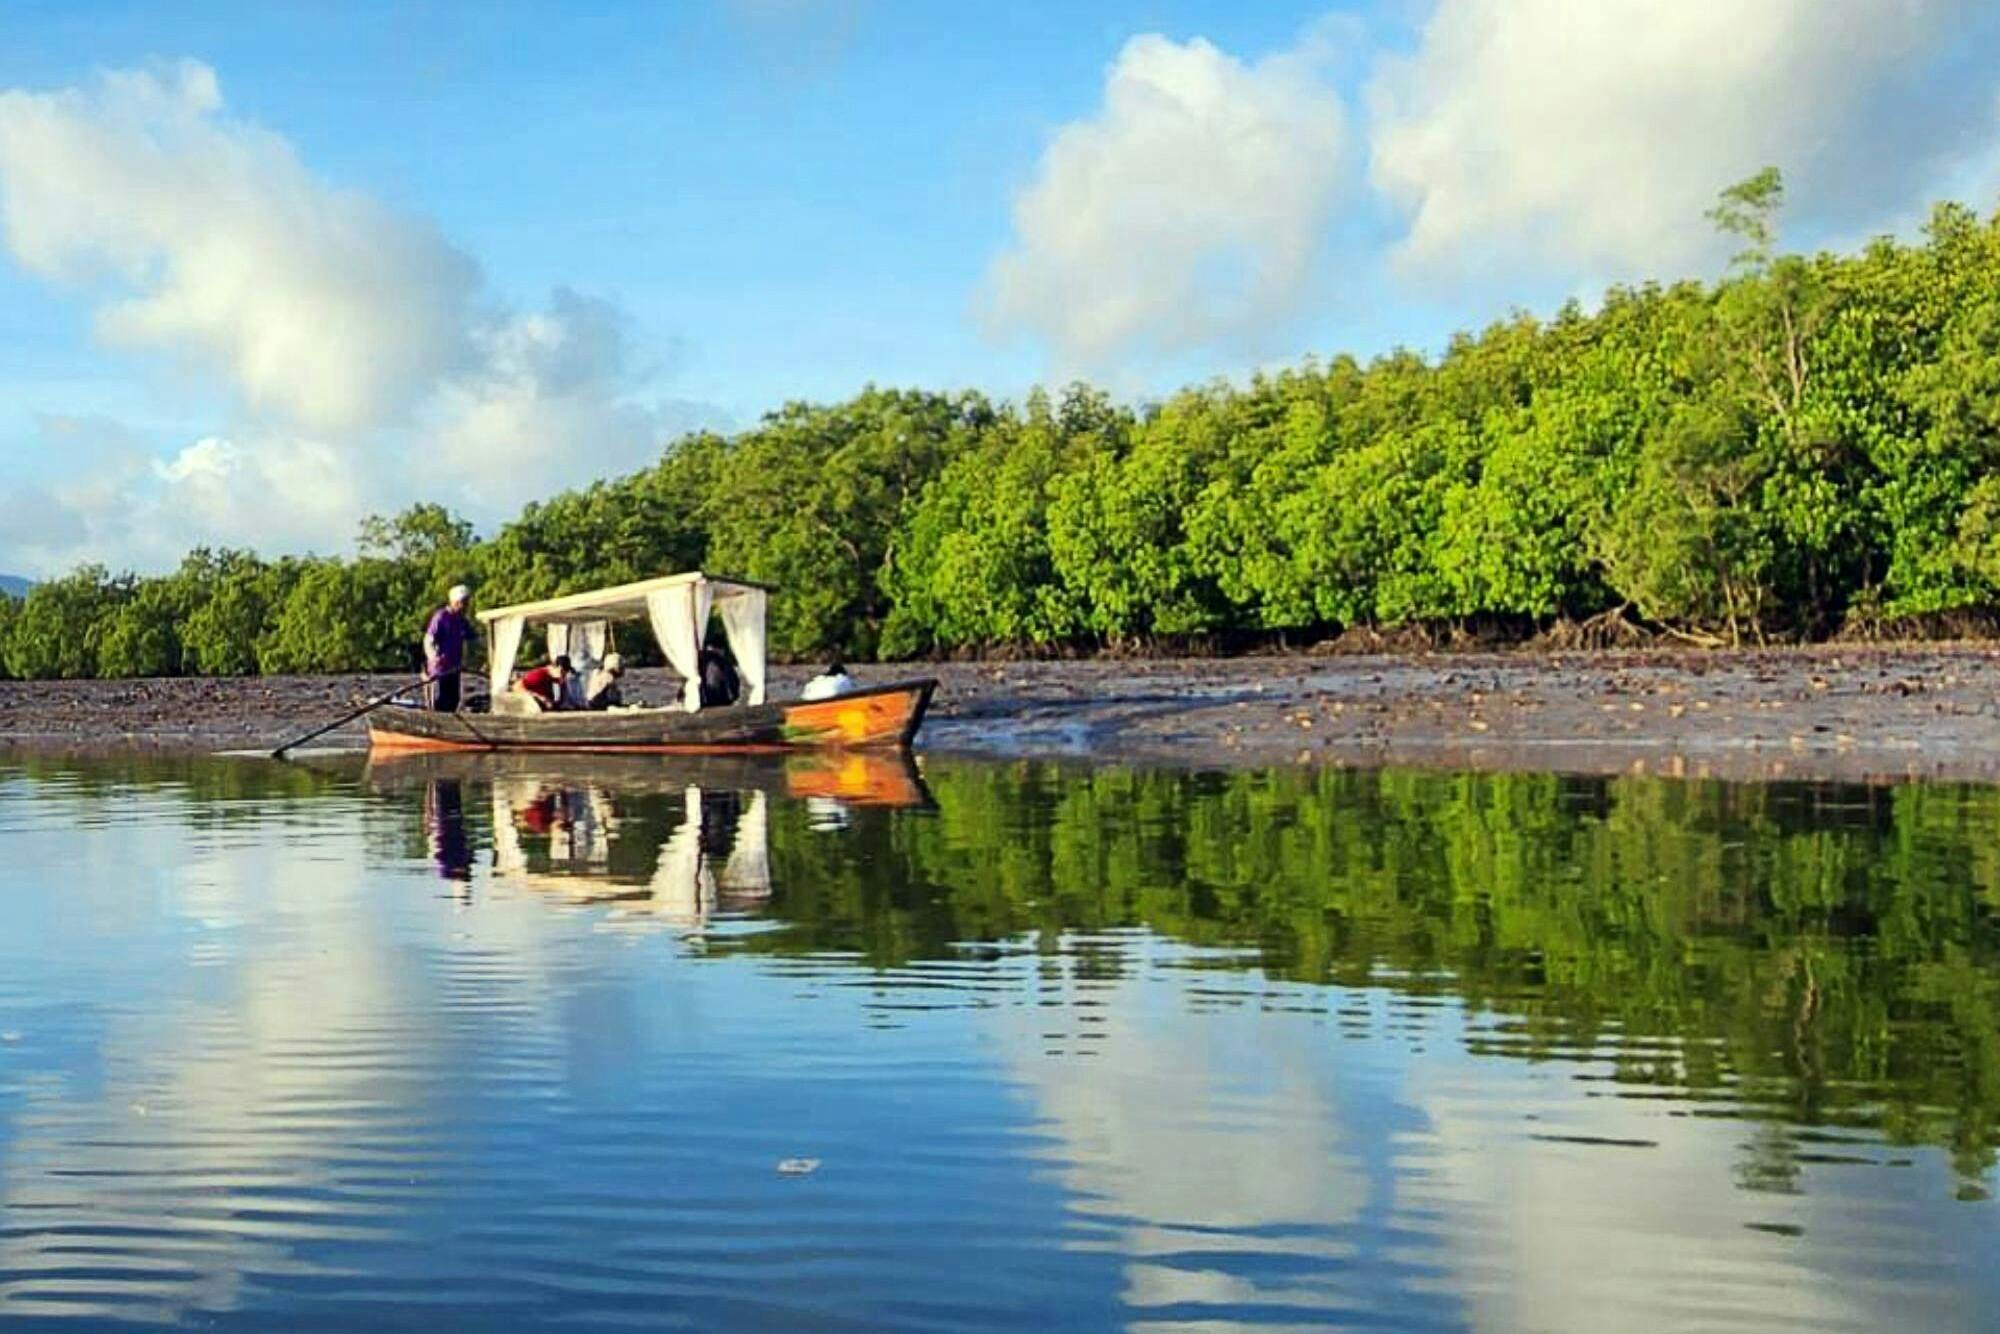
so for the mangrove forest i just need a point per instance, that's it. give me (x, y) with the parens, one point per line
(1802, 449)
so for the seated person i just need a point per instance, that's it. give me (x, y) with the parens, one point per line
(601, 691)
(720, 684)
(833, 681)
(545, 684)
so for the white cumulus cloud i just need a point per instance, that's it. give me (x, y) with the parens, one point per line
(365, 367)
(122, 504)
(267, 492)
(549, 387)
(1588, 139)
(1190, 210)
(316, 303)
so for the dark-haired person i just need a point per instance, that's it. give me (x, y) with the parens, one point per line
(721, 684)
(545, 683)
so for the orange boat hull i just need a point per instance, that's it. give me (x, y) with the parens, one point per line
(876, 718)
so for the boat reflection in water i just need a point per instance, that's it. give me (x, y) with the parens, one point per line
(661, 841)
(444, 823)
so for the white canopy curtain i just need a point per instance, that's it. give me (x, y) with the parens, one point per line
(506, 647)
(679, 614)
(742, 612)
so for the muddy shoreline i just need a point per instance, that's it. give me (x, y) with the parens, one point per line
(1832, 712)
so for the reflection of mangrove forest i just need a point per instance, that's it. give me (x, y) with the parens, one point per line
(1823, 956)
(1827, 955)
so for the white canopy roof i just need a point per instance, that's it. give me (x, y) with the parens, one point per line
(621, 602)
(676, 605)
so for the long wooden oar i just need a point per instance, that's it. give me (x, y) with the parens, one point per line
(372, 704)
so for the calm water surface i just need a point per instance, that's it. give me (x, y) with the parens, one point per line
(463, 1045)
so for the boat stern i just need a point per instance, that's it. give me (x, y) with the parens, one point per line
(879, 716)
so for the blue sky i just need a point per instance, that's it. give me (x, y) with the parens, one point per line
(791, 199)
(687, 214)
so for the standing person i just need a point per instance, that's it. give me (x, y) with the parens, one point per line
(444, 648)
(833, 681)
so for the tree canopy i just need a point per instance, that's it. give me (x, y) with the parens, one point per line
(1807, 444)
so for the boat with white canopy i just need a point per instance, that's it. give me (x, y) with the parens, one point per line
(677, 609)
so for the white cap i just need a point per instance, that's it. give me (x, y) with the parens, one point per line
(613, 663)
(459, 593)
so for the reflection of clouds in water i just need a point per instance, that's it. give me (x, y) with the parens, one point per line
(1245, 1158)
(263, 1076)
(233, 1062)
(285, 1058)
(1568, 1211)
(1190, 1142)
(288, 1073)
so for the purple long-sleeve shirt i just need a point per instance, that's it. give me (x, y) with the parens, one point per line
(444, 640)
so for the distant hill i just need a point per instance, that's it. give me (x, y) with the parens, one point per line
(13, 585)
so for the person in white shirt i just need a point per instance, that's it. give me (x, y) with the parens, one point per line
(602, 691)
(833, 681)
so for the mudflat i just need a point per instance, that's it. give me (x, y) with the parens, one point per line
(1825, 712)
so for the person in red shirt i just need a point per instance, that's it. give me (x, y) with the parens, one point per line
(546, 683)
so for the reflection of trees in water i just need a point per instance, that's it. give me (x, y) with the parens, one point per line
(1817, 955)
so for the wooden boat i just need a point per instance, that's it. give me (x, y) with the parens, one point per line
(881, 716)
(677, 608)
